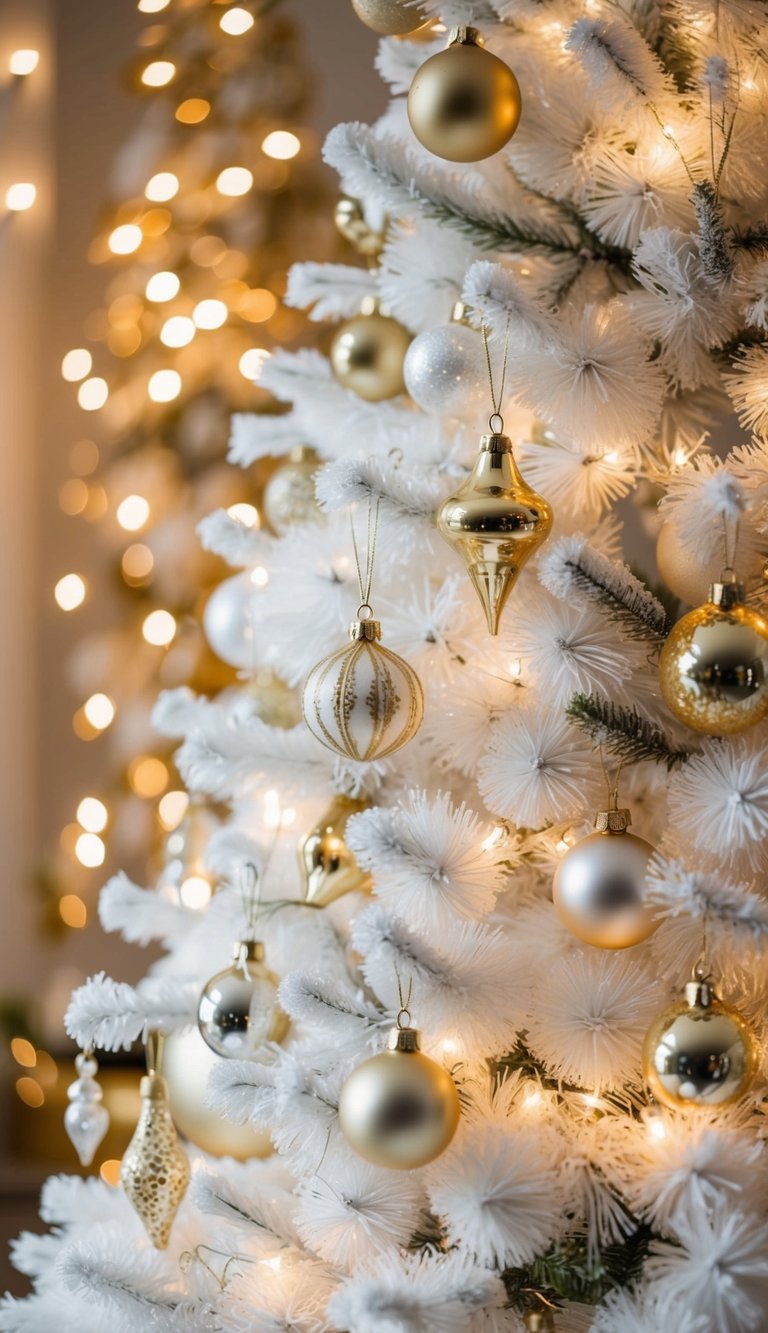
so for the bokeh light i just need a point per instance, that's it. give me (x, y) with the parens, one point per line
(133, 512)
(159, 628)
(70, 591)
(281, 144)
(20, 196)
(75, 365)
(234, 181)
(99, 710)
(162, 286)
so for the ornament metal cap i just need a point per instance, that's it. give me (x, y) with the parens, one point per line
(613, 821)
(726, 592)
(365, 629)
(153, 1088)
(465, 36)
(251, 950)
(699, 993)
(539, 1321)
(404, 1039)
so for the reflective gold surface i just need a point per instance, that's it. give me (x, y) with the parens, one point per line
(464, 103)
(350, 222)
(367, 356)
(713, 669)
(399, 1110)
(391, 18)
(328, 867)
(496, 522)
(699, 1056)
(187, 1063)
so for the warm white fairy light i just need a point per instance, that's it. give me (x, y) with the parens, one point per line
(99, 709)
(125, 239)
(93, 394)
(153, 6)
(210, 314)
(20, 196)
(164, 386)
(162, 186)
(234, 181)
(236, 21)
(158, 73)
(159, 628)
(259, 576)
(244, 513)
(70, 592)
(251, 363)
(281, 145)
(92, 814)
(162, 286)
(133, 512)
(23, 62)
(90, 850)
(195, 892)
(76, 364)
(178, 331)
(172, 808)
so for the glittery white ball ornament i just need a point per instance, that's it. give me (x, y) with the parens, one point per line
(445, 370)
(231, 619)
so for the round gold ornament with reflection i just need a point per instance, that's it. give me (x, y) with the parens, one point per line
(598, 885)
(289, 495)
(399, 1109)
(187, 1063)
(351, 223)
(368, 354)
(700, 1052)
(363, 701)
(390, 18)
(464, 103)
(713, 668)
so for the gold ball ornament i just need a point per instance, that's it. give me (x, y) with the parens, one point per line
(713, 667)
(399, 1109)
(187, 1063)
(363, 701)
(700, 1052)
(351, 223)
(683, 573)
(154, 1171)
(238, 1010)
(328, 867)
(390, 18)
(598, 888)
(464, 103)
(289, 495)
(496, 522)
(368, 354)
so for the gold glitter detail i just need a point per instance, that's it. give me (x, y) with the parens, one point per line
(335, 682)
(155, 1171)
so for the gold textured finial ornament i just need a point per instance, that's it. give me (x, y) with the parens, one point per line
(390, 18)
(363, 701)
(464, 103)
(368, 353)
(713, 669)
(155, 1169)
(700, 1053)
(328, 867)
(399, 1109)
(598, 888)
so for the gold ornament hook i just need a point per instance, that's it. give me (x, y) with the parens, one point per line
(496, 402)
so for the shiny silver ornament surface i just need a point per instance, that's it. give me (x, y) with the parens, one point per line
(232, 619)
(399, 1109)
(700, 1052)
(289, 495)
(713, 668)
(445, 370)
(238, 1010)
(599, 886)
(86, 1120)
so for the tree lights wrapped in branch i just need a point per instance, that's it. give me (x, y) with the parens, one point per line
(613, 252)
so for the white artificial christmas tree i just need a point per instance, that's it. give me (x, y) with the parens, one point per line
(614, 254)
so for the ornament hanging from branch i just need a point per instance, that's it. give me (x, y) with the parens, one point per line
(495, 520)
(464, 103)
(390, 18)
(445, 367)
(85, 1119)
(155, 1170)
(328, 867)
(364, 702)
(399, 1109)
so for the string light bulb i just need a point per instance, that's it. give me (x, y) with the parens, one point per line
(281, 145)
(210, 314)
(133, 512)
(236, 21)
(99, 711)
(159, 628)
(125, 239)
(90, 850)
(162, 286)
(93, 393)
(178, 331)
(234, 181)
(251, 363)
(164, 386)
(162, 186)
(70, 592)
(92, 815)
(20, 196)
(76, 364)
(23, 62)
(158, 73)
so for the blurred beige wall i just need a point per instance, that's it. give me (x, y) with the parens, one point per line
(63, 131)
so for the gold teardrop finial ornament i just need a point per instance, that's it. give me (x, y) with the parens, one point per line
(464, 103)
(328, 867)
(495, 521)
(713, 668)
(154, 1171)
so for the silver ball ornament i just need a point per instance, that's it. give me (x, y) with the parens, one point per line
(231, 620)
(700, 1053)
(445, 370)
(238, 1010)
(399, 1109)
(598, 888)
